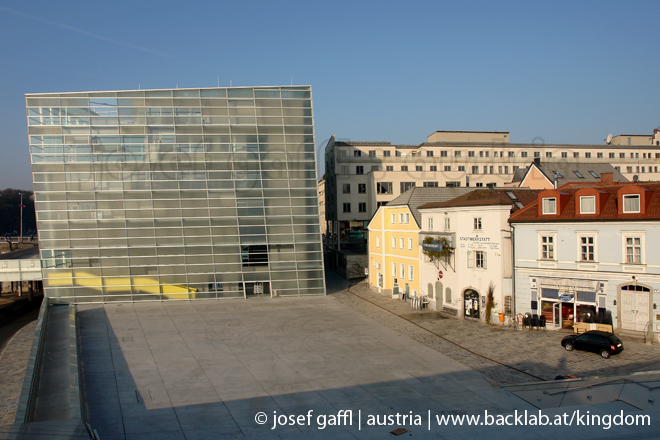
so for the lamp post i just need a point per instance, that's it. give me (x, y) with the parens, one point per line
(21, 205)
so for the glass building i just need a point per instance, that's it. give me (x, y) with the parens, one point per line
(176, 194)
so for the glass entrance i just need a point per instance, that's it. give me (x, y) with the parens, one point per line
(258, 288)
(471, 301)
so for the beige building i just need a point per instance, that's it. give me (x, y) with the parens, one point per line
(361, 176)
(636, 139)
(324, 225)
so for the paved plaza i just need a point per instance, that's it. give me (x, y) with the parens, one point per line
(209, 369)
(489, 349)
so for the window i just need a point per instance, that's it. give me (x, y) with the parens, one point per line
(587, 155)
(389, 168)
(447, 224)
(494, 153)
(430, 223)
(397, 153)
(485, 169)
(547, 247)
(611, 155)
(481, 154)
(508, 305)
(491, 169)
(346, 188)
(506, 169)
(429, 154)
(523, 154)
(347, 207)
(457, 153)
(477, 259)
(416, 154)
(564, 155)
(499, 169)
(479, 185)
(450, 184)
(515, 168)
(402, 269)
(487, 153)
(394, 270)
(430, 184)
(433, 168)
(633, 250)
(548, 154)
(470, 153)
(410, 244)
(579, 174)
(362, 188)
(622, 155)
(375, 168)
(372, 153)
(629, 169)
(401, 218)
(407, 218)
(410, 272)
(587, 247)
(405, 186)
(377, 242)
(384, 187)
(600, 155)
(357, 153)
(631, 203)
(359, 169)
(387, 153)
(443, 154)
(362, 207)
(447, 295)
(461, 168)
(587, 205)
(477, 223)
(550, 206)
(447, 167)
(344, 169)
(594, 174)
(418, 168)
(394, 247)
(393, 219)
(404, 167)
(475, 170)
(537, 154)
(512, 154)
(342, 153)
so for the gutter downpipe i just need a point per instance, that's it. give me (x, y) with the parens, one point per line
(513, 269)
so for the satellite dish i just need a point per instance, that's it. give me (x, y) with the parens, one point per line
(609, 138)
(635, 178)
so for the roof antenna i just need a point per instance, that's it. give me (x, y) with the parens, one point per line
(218, 81)
(292, 80)
(556, 176)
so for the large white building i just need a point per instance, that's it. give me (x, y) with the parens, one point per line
(585, 253)
(361, 176)
(473, 229)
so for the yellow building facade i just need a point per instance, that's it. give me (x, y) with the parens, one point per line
(394, 252)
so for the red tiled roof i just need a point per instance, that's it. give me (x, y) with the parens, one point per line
(610, 196)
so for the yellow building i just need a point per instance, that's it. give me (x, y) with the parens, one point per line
(394, 251)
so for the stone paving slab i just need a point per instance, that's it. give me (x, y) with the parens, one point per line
(13, 362)
(537, 352)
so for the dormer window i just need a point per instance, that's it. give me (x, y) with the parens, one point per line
(631, 203)
(579, 174)
(550, 206)
(588, 205)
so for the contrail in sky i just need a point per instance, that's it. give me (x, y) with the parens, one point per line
(83, 32)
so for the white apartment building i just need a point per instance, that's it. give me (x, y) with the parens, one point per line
(474, 227)
(361, 176)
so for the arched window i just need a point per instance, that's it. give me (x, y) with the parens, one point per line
(430, 290)
(448, 295)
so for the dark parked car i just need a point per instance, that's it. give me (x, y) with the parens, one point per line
(604, 343)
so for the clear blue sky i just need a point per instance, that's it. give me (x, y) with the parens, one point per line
(567, 72)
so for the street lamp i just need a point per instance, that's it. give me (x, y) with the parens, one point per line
(22, 206)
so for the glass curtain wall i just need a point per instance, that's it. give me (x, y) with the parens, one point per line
(176, 194)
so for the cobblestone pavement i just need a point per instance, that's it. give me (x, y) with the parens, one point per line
(491, 349)
(13, 362)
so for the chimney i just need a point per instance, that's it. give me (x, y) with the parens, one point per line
(537, 161)
(607, 178)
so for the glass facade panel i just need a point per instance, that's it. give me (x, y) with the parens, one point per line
(176, 194)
